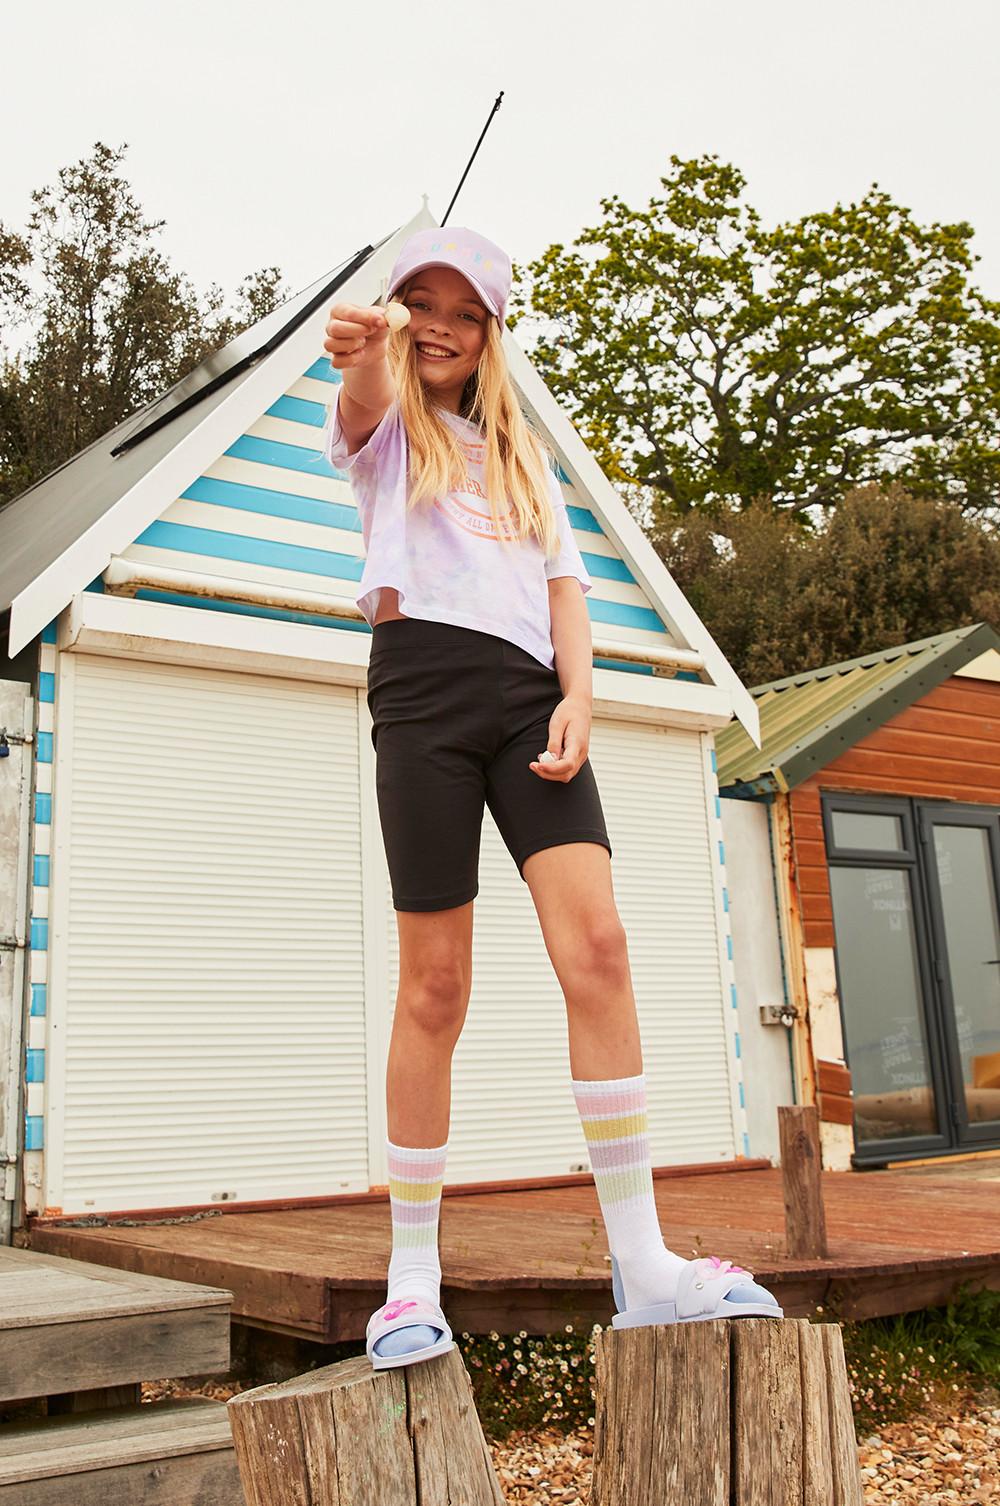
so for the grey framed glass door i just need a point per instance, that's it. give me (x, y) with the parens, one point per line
(915, 890)
(884, 980)
(962, 859)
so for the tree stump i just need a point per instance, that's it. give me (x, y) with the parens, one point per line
(731, 1412)
(350, 1435)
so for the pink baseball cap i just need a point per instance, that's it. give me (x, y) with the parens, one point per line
(481, 262)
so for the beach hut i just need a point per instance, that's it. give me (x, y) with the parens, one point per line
(200, 1009)
(864, 836)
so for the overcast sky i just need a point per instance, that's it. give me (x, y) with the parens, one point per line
(294, 133)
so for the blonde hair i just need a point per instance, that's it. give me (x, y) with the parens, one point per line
(515, 456)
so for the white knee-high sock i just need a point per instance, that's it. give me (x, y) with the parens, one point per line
(615, 1125)
(416, 1176)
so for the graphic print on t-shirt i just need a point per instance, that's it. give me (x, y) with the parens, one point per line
(427, 553)
(459, 503)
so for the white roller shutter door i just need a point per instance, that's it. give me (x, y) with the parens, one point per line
(513, 1113)
(209, 1031)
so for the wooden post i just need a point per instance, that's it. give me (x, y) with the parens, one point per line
(802, 1182)
(731, 1412)
(349, 1435)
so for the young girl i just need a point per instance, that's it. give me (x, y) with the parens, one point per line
(480, 690)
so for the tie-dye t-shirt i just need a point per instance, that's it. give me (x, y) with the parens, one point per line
(443, 556)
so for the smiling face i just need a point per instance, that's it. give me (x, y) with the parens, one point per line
(448, 326)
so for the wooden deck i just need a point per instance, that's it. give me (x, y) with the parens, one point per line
(536, 1258)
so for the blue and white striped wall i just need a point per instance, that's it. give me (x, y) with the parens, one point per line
(271, 510)
(38, 953)
(728, 973)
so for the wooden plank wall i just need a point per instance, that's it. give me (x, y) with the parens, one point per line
(945, 746)
(833, 1082)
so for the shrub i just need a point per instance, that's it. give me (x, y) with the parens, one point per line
(900, 1364)
(529, 1383)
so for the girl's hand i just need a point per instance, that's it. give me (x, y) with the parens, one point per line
(569, 740)
(356, 336)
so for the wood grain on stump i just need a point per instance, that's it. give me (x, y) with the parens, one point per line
(349, 1435)
(731, 1412)
(802, 1182)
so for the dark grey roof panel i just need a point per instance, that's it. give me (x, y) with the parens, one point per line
(43, 522)
(241, 351)
(39, 525)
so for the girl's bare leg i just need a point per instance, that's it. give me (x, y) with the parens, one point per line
(571, 888)
(435, 981)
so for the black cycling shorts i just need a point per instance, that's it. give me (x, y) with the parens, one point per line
(458, 715)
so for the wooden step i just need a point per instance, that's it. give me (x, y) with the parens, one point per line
(68, 1325)
(164, 1453)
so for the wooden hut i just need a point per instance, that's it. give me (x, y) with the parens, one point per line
(864, 837)
(203, 942)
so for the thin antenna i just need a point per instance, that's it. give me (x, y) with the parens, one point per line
(458, 190)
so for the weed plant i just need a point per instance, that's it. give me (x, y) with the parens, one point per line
(529, 1384)
(897, 1366)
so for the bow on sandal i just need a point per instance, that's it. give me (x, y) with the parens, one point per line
(425, 1318)
(707, 1288)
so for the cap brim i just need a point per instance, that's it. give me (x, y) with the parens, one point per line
(437, 261)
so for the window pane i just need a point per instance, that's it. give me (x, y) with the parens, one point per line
(867, 831)
(883, 1004)
(972, 936)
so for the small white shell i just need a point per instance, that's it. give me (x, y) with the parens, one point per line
(547, 757)
(397, 315)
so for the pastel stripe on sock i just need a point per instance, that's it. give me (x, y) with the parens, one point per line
(410, 1177)
(416, 1213)
(422, 1171)
(424, 1237)
(415, 1192)
(617, 1127)
(596, 1105)
(617, 1153)
(619, 1187)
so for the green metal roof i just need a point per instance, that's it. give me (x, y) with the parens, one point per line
(807, 720)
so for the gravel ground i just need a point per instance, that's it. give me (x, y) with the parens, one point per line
(951, 1454)
(535, 1469)
(947, 1456)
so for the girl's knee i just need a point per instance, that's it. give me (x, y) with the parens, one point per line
(601, 950)
(435, 996)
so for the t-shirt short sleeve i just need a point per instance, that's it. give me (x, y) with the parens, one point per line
(569, 560)
(335, 445)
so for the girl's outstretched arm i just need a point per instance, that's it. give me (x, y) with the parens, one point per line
(356, 338)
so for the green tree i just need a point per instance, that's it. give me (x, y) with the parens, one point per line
(880, 569)
(108, 325)
(707, 359)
